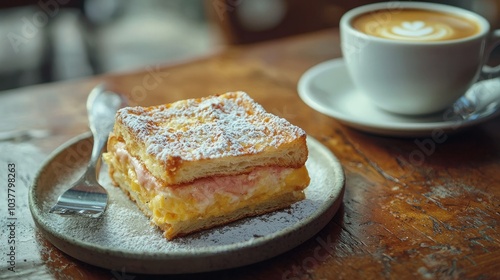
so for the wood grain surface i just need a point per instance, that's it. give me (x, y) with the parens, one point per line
(414, 208)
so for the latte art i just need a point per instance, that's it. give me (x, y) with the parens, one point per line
(415, 25)
(417, 31)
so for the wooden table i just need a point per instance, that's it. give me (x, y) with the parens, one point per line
(437, 219)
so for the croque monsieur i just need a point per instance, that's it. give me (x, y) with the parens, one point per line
(199, 163)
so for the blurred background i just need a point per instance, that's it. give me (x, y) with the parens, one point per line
(53, 40)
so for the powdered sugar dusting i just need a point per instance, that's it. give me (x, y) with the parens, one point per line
(125, 231)
(230, 124)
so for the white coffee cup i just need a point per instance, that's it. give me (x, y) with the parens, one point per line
(417, 65)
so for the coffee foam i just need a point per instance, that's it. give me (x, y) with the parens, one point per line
(415, 25)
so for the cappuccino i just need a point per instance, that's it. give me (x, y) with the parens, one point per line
(415, 25)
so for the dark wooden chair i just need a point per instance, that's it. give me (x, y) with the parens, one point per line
(243, 22)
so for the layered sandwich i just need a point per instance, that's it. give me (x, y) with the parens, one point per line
(200, 163)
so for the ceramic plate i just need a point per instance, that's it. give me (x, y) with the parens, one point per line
(328, 89)
(124, 240)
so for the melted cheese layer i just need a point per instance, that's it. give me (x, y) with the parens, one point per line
(206, 197)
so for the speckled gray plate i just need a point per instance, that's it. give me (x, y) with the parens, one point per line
(124, 240)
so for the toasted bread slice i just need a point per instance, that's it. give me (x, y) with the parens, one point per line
(218, 135)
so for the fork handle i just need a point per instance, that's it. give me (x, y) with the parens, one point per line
(94, 165)
(101, 107)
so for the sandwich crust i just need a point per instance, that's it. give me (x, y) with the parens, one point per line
(200, 163)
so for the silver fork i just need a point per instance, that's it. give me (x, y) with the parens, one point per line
(87, 197)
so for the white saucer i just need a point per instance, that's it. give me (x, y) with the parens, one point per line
(328, 89)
